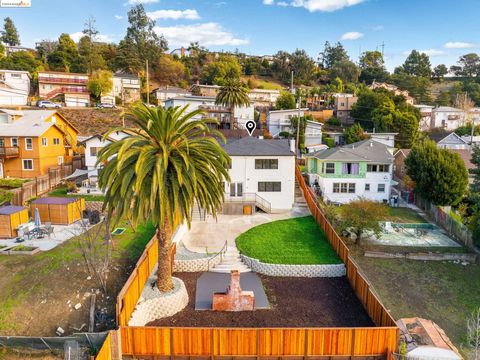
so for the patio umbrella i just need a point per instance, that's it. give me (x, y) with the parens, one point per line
(37, 220)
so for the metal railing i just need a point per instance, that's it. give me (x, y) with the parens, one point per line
(250, 198)
(222, 252)
(60, 80)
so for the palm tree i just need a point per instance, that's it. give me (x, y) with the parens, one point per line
(172, 161)
(232, 94)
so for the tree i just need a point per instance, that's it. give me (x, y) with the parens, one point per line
(332, 54)
(443, 99)
(233, 94)
(473, 334)
(440, 175)
(294, 125)
(170, 71)
(9, 33)
(416, 64)
(100, 83)
(372, 66)
(417, 86)
(65, 57)
(21, 60)
(285, 101)
(362, 215)
(160, 172)
(44, 48)
(475, 186)
(303, 67)
(355, 133)
(405, 123)
(140, 43)
(91, 55)
(468, 66)
(346, 70)
(217, 72)
(439, 72)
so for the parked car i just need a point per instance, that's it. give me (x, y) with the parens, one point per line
(106, 106)
(48, 104)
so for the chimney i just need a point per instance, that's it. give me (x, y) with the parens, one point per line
(292, 146)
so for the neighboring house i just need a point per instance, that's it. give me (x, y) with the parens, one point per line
(362, 169)
(343, 104)
(262, 175)
(72, 86)
(426, 116)
(475, 140)
(338, 137)
(258, 97)
(313, 136)
(279, 120)
(447, 117)
(32, 141)
(399, 169)
(126, 87)
(169, 92)
(205, 90)
(384, 138)
(379, 85)
(451, 141)
(14, 87)
(221, 113)
(92, 145)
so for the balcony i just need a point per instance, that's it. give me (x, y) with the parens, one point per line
(60, 80)
(212, 109)
(7, 152)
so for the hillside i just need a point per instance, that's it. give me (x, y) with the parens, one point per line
(263, 82)
(93, 121)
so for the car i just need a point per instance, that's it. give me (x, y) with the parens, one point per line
(106, 106)
(48, 104)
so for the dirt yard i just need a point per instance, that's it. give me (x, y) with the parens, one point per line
(38, 293)
(296, 302)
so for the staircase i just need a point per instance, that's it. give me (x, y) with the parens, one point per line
(198, 214)
(231, 261)
(299, 198)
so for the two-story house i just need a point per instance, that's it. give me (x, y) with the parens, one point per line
(126, 87)
(168, 92)
(279, 120)
(262, 175)
(447, 117)
(362, 169)
(14, 87)
(241, 114)
(71, 86)
(343, 104)
(32, 141)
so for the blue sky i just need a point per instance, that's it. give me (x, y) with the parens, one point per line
(445, 29)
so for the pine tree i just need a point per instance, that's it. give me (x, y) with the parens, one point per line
(10, 33)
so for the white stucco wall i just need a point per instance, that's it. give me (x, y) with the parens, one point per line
(441, 119)
(243, 171)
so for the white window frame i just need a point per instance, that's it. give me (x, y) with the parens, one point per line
(44, 141)
(56, 141)
(23, 165)
(60, 160)
(26, 147)
(384, 188)
(11, 141)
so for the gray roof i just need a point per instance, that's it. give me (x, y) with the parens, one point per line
(365, 150)
(32, 123)
(252, 146)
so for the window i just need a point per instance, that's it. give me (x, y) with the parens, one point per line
(2, 142)
(27, 164)
(60, 160)
(236, 189)
(367, 187)
(381, 188)
(56, 141)
(14, 141)
(16, 76)
(350, 168)
(44, 141)
(269, 186)
(330, 168)
(28, 144)
(383, 168)
(94, 151)
(266, 163)
(344, 188)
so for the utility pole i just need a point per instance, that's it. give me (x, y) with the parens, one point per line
(291, 83)
(383, 48)
(148, 85)
(297, 144)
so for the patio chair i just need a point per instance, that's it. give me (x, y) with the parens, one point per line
(49, 229)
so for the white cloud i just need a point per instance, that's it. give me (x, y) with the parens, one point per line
(136, 2)
(190, 14)
(118, 17)
(282, 3)
(352, 35)
(377, 28)
(433, 52)
(100, 37)
(268, 2)
(459, 45)
(325, 5)
(207, 34)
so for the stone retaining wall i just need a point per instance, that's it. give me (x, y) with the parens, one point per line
(472, 258)
(336, 270)
(194, 265)
(94, 205)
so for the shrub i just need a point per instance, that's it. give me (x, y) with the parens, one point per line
(5, 196)
(71, 186)
(333, 121)
(330, 142)
(284, 134)
(11, 183)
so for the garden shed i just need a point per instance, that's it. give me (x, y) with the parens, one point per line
(11, 217)
(59, 210)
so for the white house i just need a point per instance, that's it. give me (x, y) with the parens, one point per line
(241, 114)
(14, 87)
(447, 117)
(279, 120)
(362, 169)
(168, 92)
(453, 142)
(384, 138)
(426, 116)
(262, 175)
(264, 97)
(92, 145)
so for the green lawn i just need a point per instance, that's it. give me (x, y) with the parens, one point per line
(62, 192)
(404, 215)
(292, 241)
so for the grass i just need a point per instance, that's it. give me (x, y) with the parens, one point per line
(265, 83)
(22, 248)
(62, 192)
(444, 292)
(12, 183)
(292, 241)
(404, 215)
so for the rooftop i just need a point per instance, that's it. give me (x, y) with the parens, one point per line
(252, 146)
(32, 123)
(365, 150)
(447, 108)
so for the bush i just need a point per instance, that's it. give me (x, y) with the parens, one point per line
(11, 183)
(284, 134)
(333, 121)
(330, 142)
(71, 187)
(5, 196)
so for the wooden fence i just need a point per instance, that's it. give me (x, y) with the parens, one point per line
(105, 352)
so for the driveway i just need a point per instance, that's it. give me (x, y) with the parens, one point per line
(211, 235)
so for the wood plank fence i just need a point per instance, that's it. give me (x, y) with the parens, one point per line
(152, 342)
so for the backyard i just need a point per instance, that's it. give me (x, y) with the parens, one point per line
(38, 293)
(404, 215)
(61, 191)
(293, 241)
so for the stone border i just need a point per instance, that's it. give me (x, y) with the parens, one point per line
(194, 265)
(426, 256)
(337, 270)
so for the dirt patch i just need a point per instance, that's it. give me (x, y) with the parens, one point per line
(296, 302)
(21, 354)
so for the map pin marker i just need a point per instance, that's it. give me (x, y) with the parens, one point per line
(250, 126)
